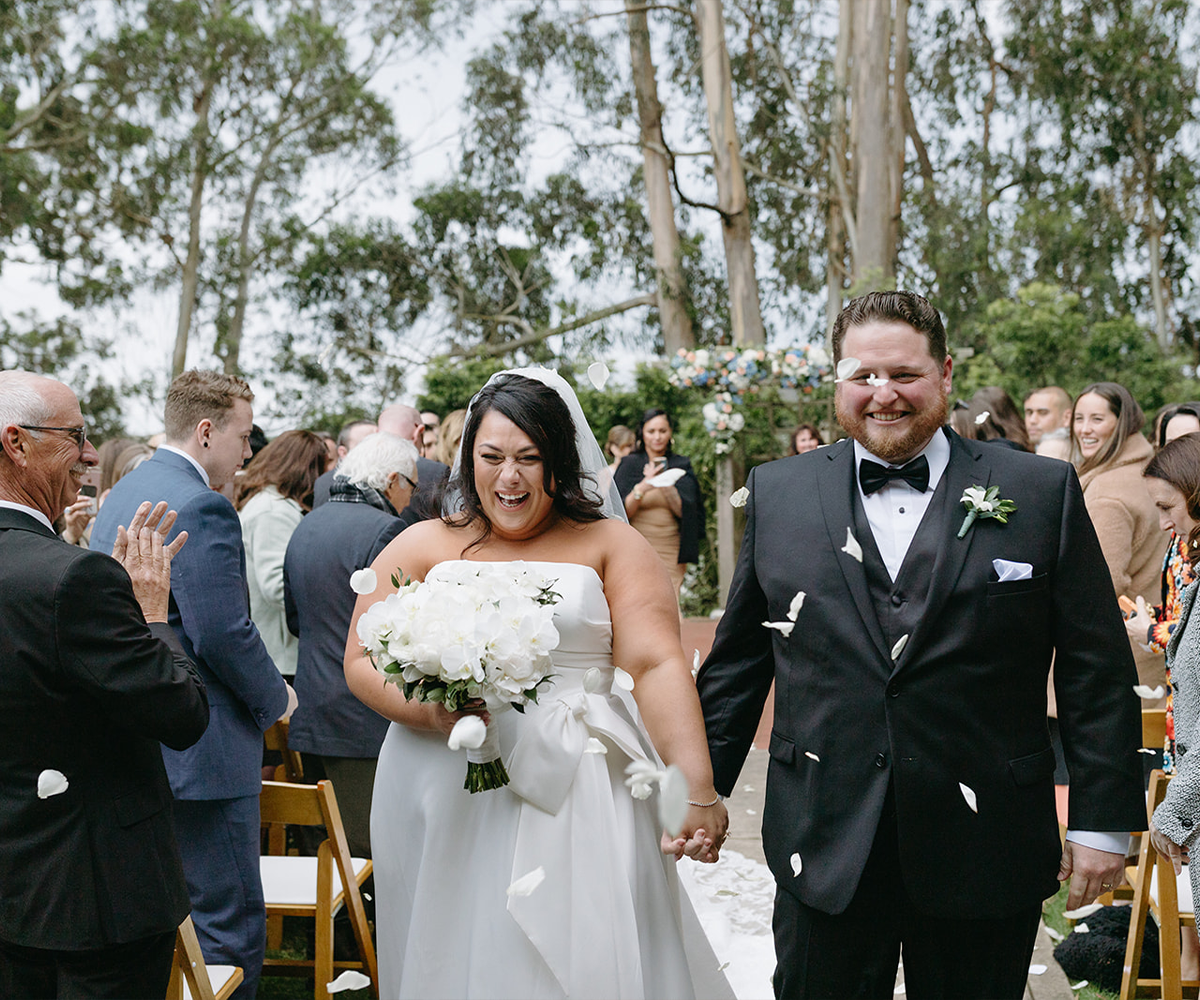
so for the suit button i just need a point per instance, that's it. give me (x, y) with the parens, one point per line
(897, 600)
(893, 690)
(1186, 824)
(881, 760)
(1181, 748)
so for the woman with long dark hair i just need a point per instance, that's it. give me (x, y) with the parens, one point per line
(669, 515)
(1106, 422)
(271, 496)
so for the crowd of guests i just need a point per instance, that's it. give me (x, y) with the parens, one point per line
(261, 609)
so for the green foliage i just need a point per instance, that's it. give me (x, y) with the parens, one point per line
(1047, 337)
(450, 383)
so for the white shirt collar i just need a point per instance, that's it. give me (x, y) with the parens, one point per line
(31, 511)
(199, 467)
(936, 452)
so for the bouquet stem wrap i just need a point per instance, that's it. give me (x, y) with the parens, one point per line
(485, 769)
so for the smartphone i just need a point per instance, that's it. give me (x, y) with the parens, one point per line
(1128, 608)
(90, 491)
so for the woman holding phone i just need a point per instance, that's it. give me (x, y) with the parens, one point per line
(662, 495)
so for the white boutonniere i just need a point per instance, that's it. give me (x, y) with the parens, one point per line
(984, 502)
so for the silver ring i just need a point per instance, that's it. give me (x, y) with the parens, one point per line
(1105, 885)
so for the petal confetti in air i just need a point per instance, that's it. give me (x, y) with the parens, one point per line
(1146, 750)
(51, 782)
(1037, 969)
(597, 374)
(326, 353)
(797, 865)
(468, 733)
(622, 679)
(593, 680)
(968, 793)
(594, 746)
(1082, 928)
(1083, 911)
(348, 980)
(695, 662)
(847, 367)
(525, 885)
(1147, 692)
(739, 497)
(641, 777)
(796, 605)
(852, 548)
(364, 581)
(899, 647)
(1079, 985)
(1052, 934)
(982, 418)
(876, 381)
(784, 628)
(673, 800)
(812, 756)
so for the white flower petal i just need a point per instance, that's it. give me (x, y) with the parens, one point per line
(812, 756)
(1037, 969)
(594, 746)
(1079, 985)
(469, 732)
(597, 374)
(1052, 934)
(784, 628)
(847, 367)
(527, 883)
(797, 865)
(593, 680)
(622, 679)
(1082, 929)
(363, 581)
(673, 800)
(796, 605)
(51, 782)
(982, 418)
(739, 497)
(899, 647)
(968, 793)
(695, 662)
(1083, 911)
(852, 548)
(876, 381)
(1146, 750)
(1147, 692)
(348, 980)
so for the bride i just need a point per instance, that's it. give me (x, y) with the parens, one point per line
(609, 919)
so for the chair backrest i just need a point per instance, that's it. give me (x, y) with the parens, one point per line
(1154, 727)
(276, 738)
(189, 970)
(310, 805)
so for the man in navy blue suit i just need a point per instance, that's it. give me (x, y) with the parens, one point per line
(217, 781)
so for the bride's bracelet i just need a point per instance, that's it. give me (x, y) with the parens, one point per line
(704, 805)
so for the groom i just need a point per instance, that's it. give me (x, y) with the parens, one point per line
(910, 799)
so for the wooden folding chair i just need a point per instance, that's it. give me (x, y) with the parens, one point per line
(276, 738)
(1157, 892)
(191, 978)
(317, 888)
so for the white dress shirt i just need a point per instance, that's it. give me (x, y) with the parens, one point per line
(31, 511)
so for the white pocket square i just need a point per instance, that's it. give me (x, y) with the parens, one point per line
(1007, 570)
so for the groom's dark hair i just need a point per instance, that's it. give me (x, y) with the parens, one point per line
(892, 307)
(539, 411)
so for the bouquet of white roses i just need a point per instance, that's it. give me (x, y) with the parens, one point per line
(471, 632)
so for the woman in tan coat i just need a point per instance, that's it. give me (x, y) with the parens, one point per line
(1111, 456)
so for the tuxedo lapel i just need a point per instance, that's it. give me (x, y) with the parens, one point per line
(838, 496)
(965, 469)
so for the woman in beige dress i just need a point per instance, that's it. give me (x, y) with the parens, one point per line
(669, 515)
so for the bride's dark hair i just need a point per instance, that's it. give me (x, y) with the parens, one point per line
(540, 412)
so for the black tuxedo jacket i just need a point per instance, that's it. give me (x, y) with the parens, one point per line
(88, 690)
(964, 703)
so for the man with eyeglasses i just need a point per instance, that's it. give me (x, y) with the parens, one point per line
(217, 782)
(92, 679)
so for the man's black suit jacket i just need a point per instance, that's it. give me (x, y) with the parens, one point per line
(88, 690)
(964, 703)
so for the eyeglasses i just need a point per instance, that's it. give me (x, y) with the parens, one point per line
(407, 480)
(76, 434)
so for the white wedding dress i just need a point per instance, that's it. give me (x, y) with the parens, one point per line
(608, 921)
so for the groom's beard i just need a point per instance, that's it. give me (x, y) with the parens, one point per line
(894, 447)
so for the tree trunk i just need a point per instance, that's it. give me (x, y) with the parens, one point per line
(841, 211)
(672, 294)
(744, 311)
(870, 135)
(191, 264)
(896, 131)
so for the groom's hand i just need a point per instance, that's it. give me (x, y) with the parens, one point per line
(1091, 872)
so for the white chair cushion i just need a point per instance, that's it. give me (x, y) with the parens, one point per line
(1183, 889)
(292, 881)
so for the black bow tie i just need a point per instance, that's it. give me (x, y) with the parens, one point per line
(874, 476)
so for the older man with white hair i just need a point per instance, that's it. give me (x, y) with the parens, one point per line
(338, 735)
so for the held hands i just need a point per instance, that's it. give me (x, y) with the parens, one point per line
(1168, 849)
(143, 550)
(703, 833)
(1091, 872)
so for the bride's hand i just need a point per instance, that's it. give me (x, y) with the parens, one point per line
(695, 841)
(442, 720)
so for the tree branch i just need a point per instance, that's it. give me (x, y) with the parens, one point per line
(633, 10)
(750, 168)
